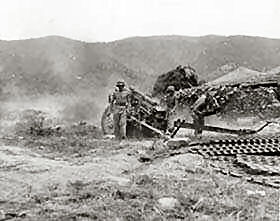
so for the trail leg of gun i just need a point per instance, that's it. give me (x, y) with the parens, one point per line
(148, 126)
(179, 125)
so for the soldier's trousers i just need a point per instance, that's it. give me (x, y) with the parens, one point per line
(170, 121)
(120, 118)
(198, 122)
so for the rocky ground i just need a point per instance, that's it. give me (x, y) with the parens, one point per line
(78, 176)
(50, 170)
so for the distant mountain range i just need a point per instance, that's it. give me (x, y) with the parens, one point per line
(59, 66)
(240, 75)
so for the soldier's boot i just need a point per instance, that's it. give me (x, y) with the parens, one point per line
(198, 122)
(198, 134)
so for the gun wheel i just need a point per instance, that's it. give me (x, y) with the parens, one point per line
(107, 122)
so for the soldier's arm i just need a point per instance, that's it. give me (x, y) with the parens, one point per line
(200, 101)
(112, 98)
(128, 101)
(216, 103)
(163, 100)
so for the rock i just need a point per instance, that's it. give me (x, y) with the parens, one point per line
(205, 218)
(178, 142)
(122, 181)
(109, 137)
(256, 192)
(2, 215)
(143, 179)
(143, 158)
(158, 145)
(157, 218)
(124, 195)
(168, 203)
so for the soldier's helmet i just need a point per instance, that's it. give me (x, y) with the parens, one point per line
(170, 89)
(120, 83)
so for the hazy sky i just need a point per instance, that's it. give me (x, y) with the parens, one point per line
(106, 20)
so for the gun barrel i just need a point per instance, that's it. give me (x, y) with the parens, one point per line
(144, 97)
(220, 129)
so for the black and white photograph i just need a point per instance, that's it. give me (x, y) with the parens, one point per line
(139, 110)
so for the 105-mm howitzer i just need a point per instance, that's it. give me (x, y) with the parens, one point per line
(146, 118)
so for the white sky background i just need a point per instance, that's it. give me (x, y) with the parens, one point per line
(107, 20)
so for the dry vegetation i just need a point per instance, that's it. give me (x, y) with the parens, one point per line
(59, 170)
(199, 195)
(70, 172)
(182, 187)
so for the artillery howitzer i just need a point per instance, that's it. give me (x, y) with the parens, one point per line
(145, 117)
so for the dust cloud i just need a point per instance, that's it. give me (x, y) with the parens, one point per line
(62, 109)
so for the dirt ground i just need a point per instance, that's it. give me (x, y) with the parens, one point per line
(54, 178)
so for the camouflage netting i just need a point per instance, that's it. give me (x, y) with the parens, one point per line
(180, 78)
(257, 94)
(259, 101)
(237, 101)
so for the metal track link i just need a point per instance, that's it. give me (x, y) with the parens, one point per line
(255, 157)
(227, 147)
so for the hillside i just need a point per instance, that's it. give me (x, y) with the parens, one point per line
(223, 70)
(156, 55)
(56, 168)
(58, 65)
(84, 73)
(275, 71)
(242, 74)
(55, 65)
(239, 75)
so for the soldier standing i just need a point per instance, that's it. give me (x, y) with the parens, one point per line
(197, 115)
(204, 106)
(119, 102)
(171, 104)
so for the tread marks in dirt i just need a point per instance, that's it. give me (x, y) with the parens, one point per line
(255, 159)
(261, 164)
